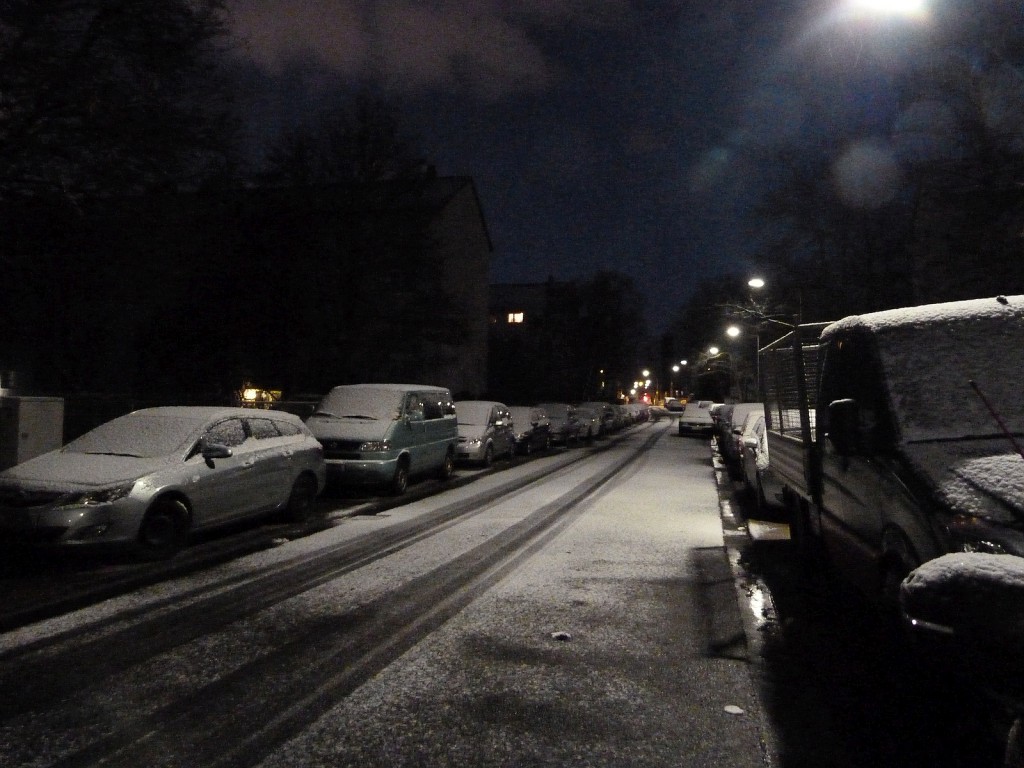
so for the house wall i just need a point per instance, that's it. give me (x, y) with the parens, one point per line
(465, 248)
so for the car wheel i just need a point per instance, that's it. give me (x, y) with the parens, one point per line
(488, 458)
(447, 467)
(163, 529)
(400, 481)
(302, 500)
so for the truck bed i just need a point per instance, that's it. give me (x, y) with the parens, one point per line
(789, 390)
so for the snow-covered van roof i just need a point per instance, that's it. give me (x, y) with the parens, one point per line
(948, 312)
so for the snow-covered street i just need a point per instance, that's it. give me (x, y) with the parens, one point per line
(598, 606)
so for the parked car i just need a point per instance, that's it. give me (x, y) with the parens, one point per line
(728, 429)
(590, 423)
(610, 420)
(623, 416)
(673, 405)
(485, 431)
(145, 480)
(641, 412)
(696, 418)
(565, 427)
(754, 465)
(385, 434)
(531, 428)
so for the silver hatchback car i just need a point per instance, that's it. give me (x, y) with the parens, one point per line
(146, 479)
(485, 431)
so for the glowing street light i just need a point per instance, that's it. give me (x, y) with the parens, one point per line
(755, 282)
(713, 350)
(889, 7)
(732, 331)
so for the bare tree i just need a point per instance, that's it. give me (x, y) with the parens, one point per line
(100, 97)
(360, 143)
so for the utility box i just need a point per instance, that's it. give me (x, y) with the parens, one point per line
(29, 426)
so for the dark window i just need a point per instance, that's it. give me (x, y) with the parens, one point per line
(432, 409)
(414, 407)
(852, 372)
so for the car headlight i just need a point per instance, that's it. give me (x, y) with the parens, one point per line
(375, 446)
(101, 496)
(977, 534)
(475, 443)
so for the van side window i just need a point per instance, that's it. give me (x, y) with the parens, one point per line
(853, 372)
(432, 408)
(447, 405)
(414, 407)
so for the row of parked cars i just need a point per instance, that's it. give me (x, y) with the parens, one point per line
(148, 479)
(739, 430)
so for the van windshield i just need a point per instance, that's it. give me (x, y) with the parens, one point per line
(929, 370)
(360, 403)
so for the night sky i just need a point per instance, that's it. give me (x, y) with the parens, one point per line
(601, 134)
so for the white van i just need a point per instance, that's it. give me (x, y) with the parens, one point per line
(384, 434)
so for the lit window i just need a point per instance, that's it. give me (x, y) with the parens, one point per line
(515, 317)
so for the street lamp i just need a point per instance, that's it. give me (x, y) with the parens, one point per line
(889, 7)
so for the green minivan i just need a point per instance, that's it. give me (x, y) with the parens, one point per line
(384, 434)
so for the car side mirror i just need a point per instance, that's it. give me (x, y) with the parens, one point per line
(844, 426)
(211, 451)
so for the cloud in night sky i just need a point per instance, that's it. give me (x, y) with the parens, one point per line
(601, 134)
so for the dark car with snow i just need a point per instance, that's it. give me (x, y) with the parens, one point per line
(531, 428)
(565, 426)
(147, 479)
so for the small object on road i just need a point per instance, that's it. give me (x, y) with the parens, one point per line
(732, 709)
(279, 541)
(564, 637)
